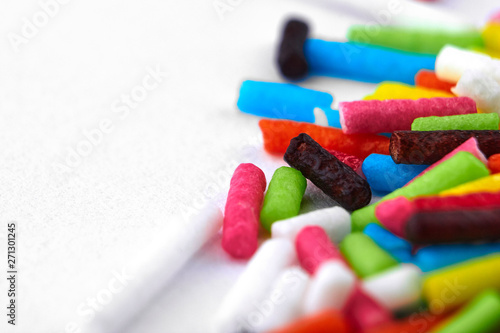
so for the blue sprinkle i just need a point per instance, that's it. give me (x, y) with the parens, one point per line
(285, 101)
(397, 247)
(385, 176)
(363, 62)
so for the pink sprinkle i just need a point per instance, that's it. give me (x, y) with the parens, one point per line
(375, 116)
(363, 313)
(471, 146)
(241, 217)
(314, 248)
(394, 214)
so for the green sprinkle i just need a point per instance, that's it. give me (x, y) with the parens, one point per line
(481, 315)
(460, 169)
(466, 122)
(365, 256)
(419, 40)
(283, 197)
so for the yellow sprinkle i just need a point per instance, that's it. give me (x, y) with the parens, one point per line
(491, 36)
(451, 287)
(490, 184)
(391, 90)
(489, 52)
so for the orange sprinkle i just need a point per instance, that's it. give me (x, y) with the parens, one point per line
(324, 322)
(278, 133)
(428, 79)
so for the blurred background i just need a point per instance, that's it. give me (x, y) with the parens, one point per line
(116, 116)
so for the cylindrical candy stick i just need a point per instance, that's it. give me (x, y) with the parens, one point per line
(452, 62)
(278, 133)
(428, 79)
(454, 226)
(362, 312)
(414, 39)
(481, 315)
(323, 322)
(235, 312)
(485, 184)
(451, 287)
(314, 248)
(398, 114)
(477, 121)
(329, 288)
(168, 254)
(315, 251)
(470, 146)
(364, 256)
(351, 161)
(394, 214)
(491, 36)
(336, 222)
(482, 88)
(494, 163)
(333, 177)
(393, 90)
(283, 197)
(398, 248)
(285, 101)
(411, 147)
(291, 60)
(284, 301)
(434, 257)
(460, 169)
(395, 288)
(241, 216)
(385, 176)
(364, 62)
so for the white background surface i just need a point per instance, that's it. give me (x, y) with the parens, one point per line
(162, 159)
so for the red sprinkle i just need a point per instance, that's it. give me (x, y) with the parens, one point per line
(494, 163)
(351, 161)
